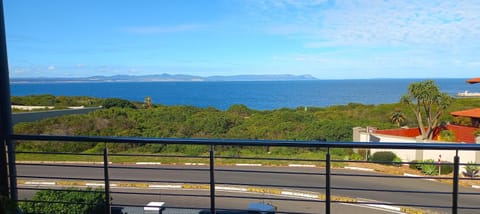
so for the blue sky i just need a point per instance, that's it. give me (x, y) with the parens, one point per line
(329, 39)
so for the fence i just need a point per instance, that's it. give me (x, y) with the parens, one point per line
(231, 184)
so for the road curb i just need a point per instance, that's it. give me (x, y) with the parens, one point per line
(418, 176)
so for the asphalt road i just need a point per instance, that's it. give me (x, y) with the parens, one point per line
(305, 179)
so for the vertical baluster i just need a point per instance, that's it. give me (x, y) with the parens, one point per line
(212, 180)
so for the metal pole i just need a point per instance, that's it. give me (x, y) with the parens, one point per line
(108, 209)
(327, 182)
(456, 162)
(212, 180)
(6, 118)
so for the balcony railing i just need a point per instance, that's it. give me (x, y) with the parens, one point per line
(323, 187)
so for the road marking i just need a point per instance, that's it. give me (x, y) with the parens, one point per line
(299, 194)
(388, 207)
(231, 188)
(301, 165)
(248, 164)
(358, 168)
(167, 186)
(195, 164)
(39, 183)
(417, 176)
(148, 163)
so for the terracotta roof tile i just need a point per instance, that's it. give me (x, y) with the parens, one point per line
(474, 112)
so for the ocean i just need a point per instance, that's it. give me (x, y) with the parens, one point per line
(260, 95)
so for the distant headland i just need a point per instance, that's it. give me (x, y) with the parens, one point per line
(164, 78)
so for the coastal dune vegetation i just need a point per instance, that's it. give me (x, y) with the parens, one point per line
(135, 119)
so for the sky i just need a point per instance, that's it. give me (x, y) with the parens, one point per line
(328, 39)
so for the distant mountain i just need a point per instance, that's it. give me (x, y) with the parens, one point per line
(163, 78)
(284, 77)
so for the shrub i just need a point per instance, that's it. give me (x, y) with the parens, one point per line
(67, 201)
(429, 167)
(446, 168)
(384, 157)
(415, 164)
(447, 135)
(116, 102)
(471, 170)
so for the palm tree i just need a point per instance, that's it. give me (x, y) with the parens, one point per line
(398, 118)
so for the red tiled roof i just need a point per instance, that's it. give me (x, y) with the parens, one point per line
(410, 132)
(474, 112)
(462, 133)
(474, 80)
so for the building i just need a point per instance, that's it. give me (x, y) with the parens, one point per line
(465, 133)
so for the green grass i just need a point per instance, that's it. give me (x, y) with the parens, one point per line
(181, 160)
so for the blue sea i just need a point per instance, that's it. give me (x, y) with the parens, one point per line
(258, 95)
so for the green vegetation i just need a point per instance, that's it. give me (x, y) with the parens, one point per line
(56, 101)
(471, 170)
(447, 135)
(429, 167)
(428, 105)
(332, 124)
(65, 201)
(117, 102)
(387, 158)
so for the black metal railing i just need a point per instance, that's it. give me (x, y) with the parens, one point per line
(316, 185)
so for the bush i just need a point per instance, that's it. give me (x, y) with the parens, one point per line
(415, 164)
(384, 157)
(429, 167)
(471, 170)
(72, 201)
(116, 102)
(446, 168)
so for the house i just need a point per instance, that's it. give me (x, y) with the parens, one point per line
(465, 133)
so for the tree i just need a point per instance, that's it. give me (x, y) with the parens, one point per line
(397, 117)
(147, 102)
(428, 104)
(116, 102)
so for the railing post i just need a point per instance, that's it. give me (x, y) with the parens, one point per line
(108, 209)
(212, 180)
(327, 182)
(6, 121)
(456, 163)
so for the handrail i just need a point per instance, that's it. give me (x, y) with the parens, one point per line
(243, 142)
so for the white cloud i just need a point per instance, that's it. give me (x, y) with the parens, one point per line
(372, 22)
(51, 68)
(164, 29)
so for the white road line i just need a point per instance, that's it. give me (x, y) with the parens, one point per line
(231, 188)
(195, 164)
(167, 186)
(39, 183)
(299, 194)
(248, 164)
(418, 176)
(358, 168)
(301, 165)
(148, 163)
